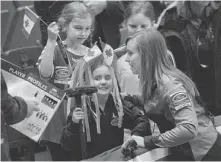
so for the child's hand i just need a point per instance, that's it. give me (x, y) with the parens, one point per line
(77, 115)
(53, 31)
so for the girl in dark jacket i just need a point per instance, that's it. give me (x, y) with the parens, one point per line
(110, 125)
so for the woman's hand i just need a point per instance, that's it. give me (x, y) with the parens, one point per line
(53, 31)
(139, 140)
(77, 115)
(32, 107)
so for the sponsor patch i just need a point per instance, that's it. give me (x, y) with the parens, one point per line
(114, 122)
(180, 99)
(61, 72)
(61, 75)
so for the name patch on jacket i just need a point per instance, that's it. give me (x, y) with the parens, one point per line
(180, 99)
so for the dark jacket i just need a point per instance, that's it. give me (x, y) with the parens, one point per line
(13, 110)
(217, 60)
(195, 42)
(111, 136)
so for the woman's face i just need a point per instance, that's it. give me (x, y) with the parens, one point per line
(103, 80)
(133, 57)
(138, 22)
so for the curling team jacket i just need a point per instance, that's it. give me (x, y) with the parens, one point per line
(111, 136)
(181, 119)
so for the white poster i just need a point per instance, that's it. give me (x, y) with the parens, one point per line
(30, 86)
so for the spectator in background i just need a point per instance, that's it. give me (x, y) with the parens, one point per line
(191, 29)
(138, 16)
(13, 110)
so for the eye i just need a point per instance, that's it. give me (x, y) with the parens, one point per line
(107, 77)
(133, 26)
(78, 27)
(129, 53)
(143, 26)
(97, 78)
(88, 28)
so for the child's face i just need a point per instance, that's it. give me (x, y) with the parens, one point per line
(138, 22)
(78, 30)
(103, 80)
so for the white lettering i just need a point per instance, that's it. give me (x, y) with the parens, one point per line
(16, 72)
(38, 83)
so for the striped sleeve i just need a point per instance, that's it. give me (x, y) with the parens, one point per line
(40, 58)
(38, 66)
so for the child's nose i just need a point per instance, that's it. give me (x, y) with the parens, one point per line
(83, 33)
(103, 82)
(139, 29)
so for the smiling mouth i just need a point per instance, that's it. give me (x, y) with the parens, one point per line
(103, 88)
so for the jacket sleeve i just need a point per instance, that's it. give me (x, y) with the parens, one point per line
(38, 63)
(70, 137)
(135, 120)
(182, 110)
(13, 108)
(135, 100)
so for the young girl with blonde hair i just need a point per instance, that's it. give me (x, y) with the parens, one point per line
(58, 60)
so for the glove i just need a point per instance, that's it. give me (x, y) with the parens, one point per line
(128, 148)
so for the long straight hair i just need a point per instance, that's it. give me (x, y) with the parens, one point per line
(155, 62)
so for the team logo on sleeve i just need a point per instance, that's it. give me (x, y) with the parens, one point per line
(179, 96)
(180, 100)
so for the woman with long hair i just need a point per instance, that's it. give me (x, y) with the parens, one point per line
(172, 100)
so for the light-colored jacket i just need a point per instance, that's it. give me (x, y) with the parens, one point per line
(189, 119)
